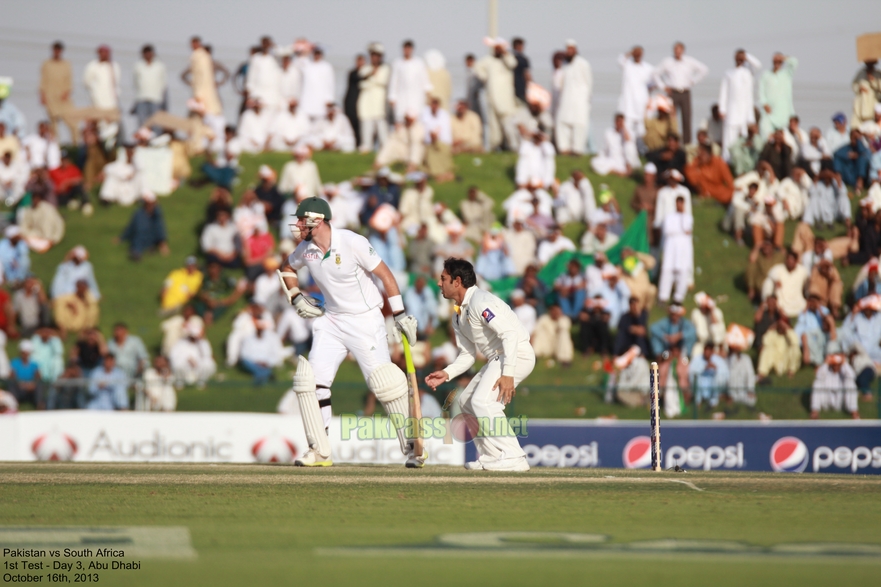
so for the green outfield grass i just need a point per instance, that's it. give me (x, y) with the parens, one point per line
(130, 290)
(277, 525)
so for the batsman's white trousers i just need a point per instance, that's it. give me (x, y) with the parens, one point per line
(480, 400)
(334, 336)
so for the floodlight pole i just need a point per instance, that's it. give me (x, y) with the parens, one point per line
(493, 17)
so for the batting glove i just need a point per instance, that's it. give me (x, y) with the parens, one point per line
(406, 325)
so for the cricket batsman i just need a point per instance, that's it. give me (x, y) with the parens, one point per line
(343, 265)
(484, 323)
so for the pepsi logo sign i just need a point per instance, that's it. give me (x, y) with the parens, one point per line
(789, 455)
(638, 453)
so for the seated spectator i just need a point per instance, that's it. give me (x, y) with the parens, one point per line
(781, 351)
(42, 227)
(865, 369)
(291, 327)
(614, 293)
(766, 317)
(121, 180)
(466, 129)
(222, 166)
(14, 174)
(619, 155)
(871, 285)
(68, 180)
(710, 176)
(594, 333)
(300, 175)
(868, 233)
(861, 329)
(89, 350)
(146, 231)
(674, 331)
(477, 212)
(554, 243)
(256, 248)
(417, 203)
(534, 288)
(267, 290)
(794, 193)
(552, 339)
(159, 393)
(217, 293)
(7, 315)
(108, 387)
(267, 192)
(525, 312)
(826, 284)
(629, 380)
(419, 252)
(456, 247)
(745, 151)
(128, 350)
(709, 372)
(333, 133)
(571, 289)
(31, 307)
(599, 239)
(660, 128)
(757, 271)
(421, 302)
(405, 144)
(261, 353)
(632, 329)
(249, 213)
(536, 162)
(70, 390)
(709, 324)
(48, 354)
(787, 281)
(191, 359)
(24, 378)
(253, 130)
(669, 156)
(15, 256)
(522, 246)
(77, 311)
(835, 387)
(827, 201)
(813, 153)
(815, 327)
(767, 221)
(220, 199)
(181, 285)
(851, 162)
(76, 266)
(778, 154)
(174, 328)
(218, 241)
(741, 373)
(575, 199)
(528, 200)
(635, 270)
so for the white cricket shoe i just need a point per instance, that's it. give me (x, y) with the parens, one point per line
(313, 459)
(473, 466)
(517, 464)
(414, 462)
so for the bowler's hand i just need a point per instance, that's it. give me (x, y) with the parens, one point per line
(505, 385)
(432, 380)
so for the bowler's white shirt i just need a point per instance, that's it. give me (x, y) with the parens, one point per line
(342, 273)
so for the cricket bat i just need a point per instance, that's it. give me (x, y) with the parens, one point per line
(415, 406)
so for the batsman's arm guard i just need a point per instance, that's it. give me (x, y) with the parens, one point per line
(389, 384)
(313, 422)
(290, 294)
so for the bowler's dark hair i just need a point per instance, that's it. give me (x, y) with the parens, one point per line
(462, 269)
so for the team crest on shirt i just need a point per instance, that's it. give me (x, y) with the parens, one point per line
(487, 315)
(338, 260)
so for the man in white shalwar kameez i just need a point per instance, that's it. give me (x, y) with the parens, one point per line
(736, 101)
(666, 201)
(300, 176)
(619, 155)
(319, 85)
(637, 76)
(775, 94)
(496, 71)
(373, 89)
(253, 131)
(333, 133)
(287, 129)
(263, 82)
(536, 158)
(835, 387)
(677, 265)
(101, 79)
(575, 201)
(573, 109)
(409, 84)
(122, 181)
(290, 79)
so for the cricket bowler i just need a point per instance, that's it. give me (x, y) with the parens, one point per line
(484, 323)
(341, 263)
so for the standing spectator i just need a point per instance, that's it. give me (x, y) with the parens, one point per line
(159, 390)
(835, 387)
(473, 85)
(31, 306)
(552, 338)
(204, 84)
(129, 350)
(25, 383)
(775, 94)
(409, 83)
(180, 286)
(677, 75)
(350, 102)
(102, 78)
(677, 265)
(439, 77)
(573, 111)
(637, 76)
(151, 85)
(736, 103)
(786, 281)
(318, 85)
(522, 73)
(263, 81)
(14, 255)
(496, 71)
(56, 90)
(781, 351)
(291, 79)
(146, 230)
(373, 88)
(108, 387)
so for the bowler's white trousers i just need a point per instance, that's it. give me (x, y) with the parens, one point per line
(480, 400)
